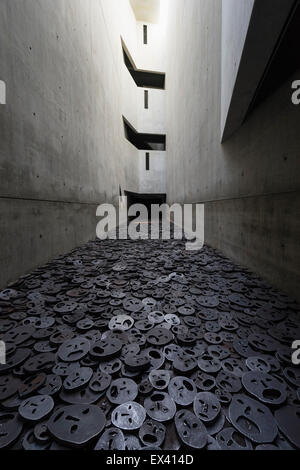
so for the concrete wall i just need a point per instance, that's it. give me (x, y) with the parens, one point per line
(154, 180)
(246, 52)
(151, 56)
(62, 146)
(251, 183)
(153, 119)
(261, 232)
(234, 32)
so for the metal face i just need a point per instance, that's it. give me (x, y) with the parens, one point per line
(36, 408)
(230, 439)
(10, 428)
(160, 406)
(77, 424)
(160, 379)
(128, 416)
(152, 433)
(191, 430)
(206, 406)
(122, 391)
(182, 390)
(265, 387)
(252, 419)
(74, 349)
(111, 439)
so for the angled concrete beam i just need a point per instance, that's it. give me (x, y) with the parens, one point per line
(250, 32)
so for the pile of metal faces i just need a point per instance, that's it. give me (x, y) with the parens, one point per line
(131, 345)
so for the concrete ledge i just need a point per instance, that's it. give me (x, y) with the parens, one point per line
(250, 32)
(262, 233)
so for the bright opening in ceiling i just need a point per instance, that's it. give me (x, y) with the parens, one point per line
(146, 10)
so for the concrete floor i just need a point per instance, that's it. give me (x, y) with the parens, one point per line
(219, 336)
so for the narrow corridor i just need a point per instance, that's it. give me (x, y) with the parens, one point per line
(131, 114)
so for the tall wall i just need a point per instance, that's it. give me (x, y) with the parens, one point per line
(249, 184)
(62, 145)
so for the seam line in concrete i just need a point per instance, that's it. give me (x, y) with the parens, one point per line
(246, 197)
(54, 201)
(51, 201)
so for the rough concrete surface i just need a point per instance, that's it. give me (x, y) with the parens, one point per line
(61, 131)
(260, 160)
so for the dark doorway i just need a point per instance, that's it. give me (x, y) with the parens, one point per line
(146, 199)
